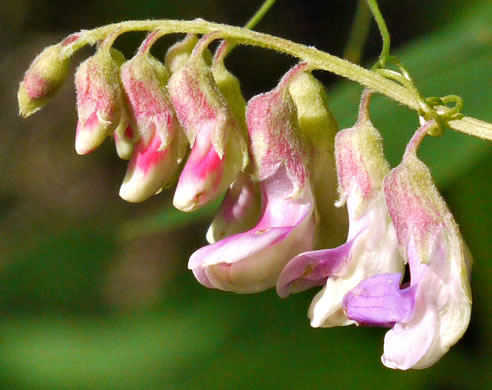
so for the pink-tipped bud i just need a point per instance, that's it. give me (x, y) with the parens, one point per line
(151, 168)
(99, 99)
(42, 80)
(219, 148)
(161, 145)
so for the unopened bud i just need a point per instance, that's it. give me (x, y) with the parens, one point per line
(42, 80)
(99, 99)
(162, 143)
(219, 148)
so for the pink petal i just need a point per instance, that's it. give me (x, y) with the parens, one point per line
(252, 261)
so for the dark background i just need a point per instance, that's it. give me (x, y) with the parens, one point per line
(94, 292)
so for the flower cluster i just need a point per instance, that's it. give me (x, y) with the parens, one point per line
(277, 158)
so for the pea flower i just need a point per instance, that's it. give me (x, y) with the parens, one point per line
(432, 313)
(218, 147)
(371, 245)
(99, 98)
(252, 261)
(160, 148)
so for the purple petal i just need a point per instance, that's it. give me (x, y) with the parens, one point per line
(311, 269)
(378, 301)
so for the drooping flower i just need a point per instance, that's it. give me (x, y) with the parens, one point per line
(99, 98)
(43, 79)
(161, 145)
(218, 147)
(371, 245)
(432, 313)
(252, 261)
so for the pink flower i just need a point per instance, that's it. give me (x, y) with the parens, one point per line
(218, 147)
(252, 261)
(431, 314)
(160, 148)
(99, 99)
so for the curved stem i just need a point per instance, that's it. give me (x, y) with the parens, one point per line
(316, 59)
(418, 137)
(378, 17)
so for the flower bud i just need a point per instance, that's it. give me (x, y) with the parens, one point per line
(219, 149)
(161, 144)
(42, 80)
(99, 99)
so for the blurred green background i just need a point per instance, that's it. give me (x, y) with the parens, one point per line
(94, 292)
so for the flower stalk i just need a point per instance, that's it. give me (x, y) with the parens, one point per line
(315, 58)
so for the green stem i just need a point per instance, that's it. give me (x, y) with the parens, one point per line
(316, 59)
(378, 17)
(358, 33)
(262, 11)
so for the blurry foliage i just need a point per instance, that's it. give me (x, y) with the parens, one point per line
(86, 303)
